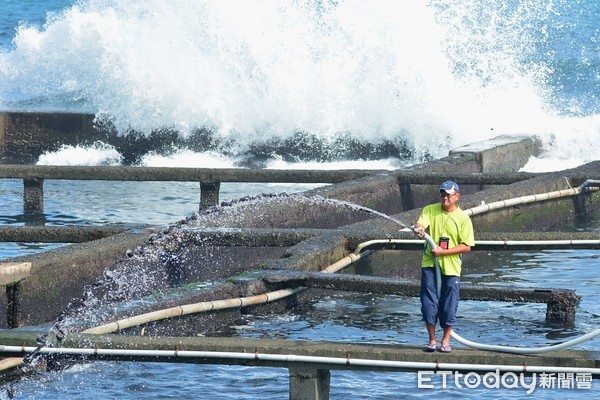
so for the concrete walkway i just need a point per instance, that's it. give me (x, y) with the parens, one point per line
(351, 351)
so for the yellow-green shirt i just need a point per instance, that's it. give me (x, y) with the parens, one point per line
(456, 226)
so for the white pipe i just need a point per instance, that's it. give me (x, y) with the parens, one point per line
(587, 185)
(173, 312)
(192, 309)
(292, 358)
(564, 242)
(366, 244)
(344, 262)
(524, 350)
(558, 242)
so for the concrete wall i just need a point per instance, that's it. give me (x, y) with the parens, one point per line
(25, 136)
(388, 193)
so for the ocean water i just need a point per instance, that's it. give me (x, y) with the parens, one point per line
(361, 318)
(428, 75)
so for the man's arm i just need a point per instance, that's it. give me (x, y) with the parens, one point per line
(459, 249)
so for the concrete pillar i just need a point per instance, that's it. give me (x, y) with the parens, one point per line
(33, 196)
(10, 275)
(209, 194)
(309, 383)
(12, 305)
(562, 309)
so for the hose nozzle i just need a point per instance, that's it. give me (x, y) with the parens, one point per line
(417, 231)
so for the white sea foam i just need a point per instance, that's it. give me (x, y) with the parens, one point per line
(187, 158)
(96, 154)
(387, 164)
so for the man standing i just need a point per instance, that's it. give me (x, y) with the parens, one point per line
(451, 228)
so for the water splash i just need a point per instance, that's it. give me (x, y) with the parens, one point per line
(268, 211)
(357, 207)
(426, 77)
(149, 273)
(97, 154)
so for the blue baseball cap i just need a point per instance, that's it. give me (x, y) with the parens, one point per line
(449, 187)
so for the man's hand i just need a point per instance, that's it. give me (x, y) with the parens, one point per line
(419, 230)
(438, 251)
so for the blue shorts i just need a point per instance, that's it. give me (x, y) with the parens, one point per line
(444, 309)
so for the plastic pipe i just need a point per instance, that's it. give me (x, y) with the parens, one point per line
(292, 358)
(216, 304)
(588, 185)
(526, 350)
(192, 309)
(563, 242)
(586, 242)
(344, 262)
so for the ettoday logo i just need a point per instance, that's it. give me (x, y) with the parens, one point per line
(507, 380)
